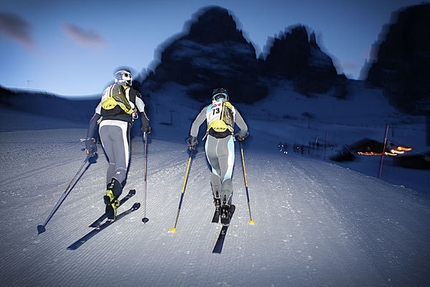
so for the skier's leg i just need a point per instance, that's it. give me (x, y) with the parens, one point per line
(212, 157)
(226, 163)
(110, 172)
(121, 149)
(107, 147)
(115, 142)
(216, 189)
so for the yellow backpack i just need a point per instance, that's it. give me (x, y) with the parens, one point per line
(220, 117)
(116, 101)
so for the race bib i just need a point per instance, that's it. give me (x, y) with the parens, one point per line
(219, 118)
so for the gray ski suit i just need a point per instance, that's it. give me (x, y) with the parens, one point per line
(219, 146)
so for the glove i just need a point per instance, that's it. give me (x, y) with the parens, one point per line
(192, 142)
(241, 135)
(146, 130)
(90, 146)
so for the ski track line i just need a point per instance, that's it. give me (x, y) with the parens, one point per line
(304, 224)
(41, 170)
(188, 235)
(374, 245)
(310, 236)
(343, 252)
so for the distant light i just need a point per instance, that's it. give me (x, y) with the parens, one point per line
(393, 152)
(402, 148)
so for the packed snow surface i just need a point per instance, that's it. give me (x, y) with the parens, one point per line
(317, 223)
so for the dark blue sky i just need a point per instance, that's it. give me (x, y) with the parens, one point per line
(73, 47)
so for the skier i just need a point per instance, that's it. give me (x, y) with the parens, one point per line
(115, 113)
(221, 117)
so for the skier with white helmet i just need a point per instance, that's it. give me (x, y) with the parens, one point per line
(119, 106)
(221, 117)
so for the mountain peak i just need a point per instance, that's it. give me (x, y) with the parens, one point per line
(400, 65)
(213, 53)
(214, 24)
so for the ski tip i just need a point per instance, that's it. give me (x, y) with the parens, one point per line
(251, 222)
(40, 229)
(145, 219)
(132, 192)
(172, 230)
(135, 206)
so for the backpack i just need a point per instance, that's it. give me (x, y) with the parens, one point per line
(115, 101)
(220, 119)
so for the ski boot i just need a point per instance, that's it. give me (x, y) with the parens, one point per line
(217, 202)
(225, 214)
(111, 199)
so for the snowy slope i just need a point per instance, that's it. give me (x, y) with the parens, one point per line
(316, 223)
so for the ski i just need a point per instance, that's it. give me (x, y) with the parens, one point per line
(221, 237)
(99, 220)
(102, 226)
(215, 218)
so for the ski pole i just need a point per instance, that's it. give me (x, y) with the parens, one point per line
(145, 168)
(246, 182)
(41, 228)
(173, 229)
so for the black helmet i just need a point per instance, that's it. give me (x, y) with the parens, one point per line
(220, 95)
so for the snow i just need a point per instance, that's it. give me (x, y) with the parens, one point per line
(317, 222)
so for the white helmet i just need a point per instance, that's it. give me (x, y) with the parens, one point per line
(123, 77)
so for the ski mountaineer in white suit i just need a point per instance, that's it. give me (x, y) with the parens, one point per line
(221, 117)
(118, 108)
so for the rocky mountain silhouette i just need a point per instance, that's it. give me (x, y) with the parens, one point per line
(401, 61)
(295, 55)
(213, 52)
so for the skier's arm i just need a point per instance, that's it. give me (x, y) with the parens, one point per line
(145, 123)
(90, 141)
(195, 126)
(243, 128)
(143, 116)
(92, 128)
(201, 117)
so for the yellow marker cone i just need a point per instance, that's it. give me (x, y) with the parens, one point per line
(172, 230)
(251, 222)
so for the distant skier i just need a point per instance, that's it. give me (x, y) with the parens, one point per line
(118, 108)
(220, 117)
